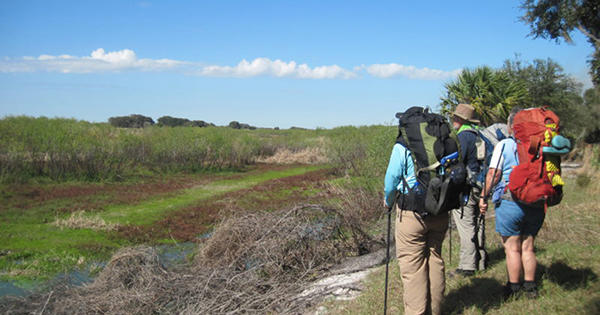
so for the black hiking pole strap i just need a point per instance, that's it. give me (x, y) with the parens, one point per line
(475, 238)
(387, 260)
(487, 257)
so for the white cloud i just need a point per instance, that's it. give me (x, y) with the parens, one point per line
(126, 60)
(391, 70)
(277, 68)
(98, 61)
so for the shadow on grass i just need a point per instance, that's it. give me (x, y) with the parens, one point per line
(592, 307)
(483, 293)
(573, 279)
(496, 256)
(567, 277)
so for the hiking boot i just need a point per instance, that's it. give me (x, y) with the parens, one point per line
(510, 290)
(529, 290)
(461, 272)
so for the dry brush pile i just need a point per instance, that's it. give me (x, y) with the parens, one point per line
(255, 263)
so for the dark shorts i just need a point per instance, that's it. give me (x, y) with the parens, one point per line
(513, 219)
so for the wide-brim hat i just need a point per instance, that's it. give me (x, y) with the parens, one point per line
(466, 112)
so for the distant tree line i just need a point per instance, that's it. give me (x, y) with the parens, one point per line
(141, 121)
(177, 122)
(494, 92)
(236, 125)
(131, 121)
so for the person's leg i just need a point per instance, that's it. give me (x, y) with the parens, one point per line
(435, 237)
(512, 248)
(528, 257)
(509, 223)
(465, 224)
(412, 254)
(534, 219)
(529, 266)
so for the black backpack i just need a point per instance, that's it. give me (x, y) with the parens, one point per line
(435, 151)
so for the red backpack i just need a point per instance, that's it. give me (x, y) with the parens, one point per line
(536, 181)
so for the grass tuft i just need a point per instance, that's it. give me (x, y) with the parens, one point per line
(78, 220)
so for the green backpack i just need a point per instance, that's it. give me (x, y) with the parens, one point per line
(435, 151)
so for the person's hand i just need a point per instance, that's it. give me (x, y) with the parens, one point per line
(483, 205)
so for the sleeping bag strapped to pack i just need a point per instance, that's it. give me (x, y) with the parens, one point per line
(537, 180)
(435, 151)
(486, 141)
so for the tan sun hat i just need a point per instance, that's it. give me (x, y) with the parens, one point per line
(466, 112)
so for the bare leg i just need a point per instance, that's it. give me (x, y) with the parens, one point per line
(512, 248)
(528, 257)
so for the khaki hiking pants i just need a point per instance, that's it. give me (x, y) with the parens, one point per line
(419, 251)
(466, 222)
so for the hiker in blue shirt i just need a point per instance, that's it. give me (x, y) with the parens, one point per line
(418, 241)
(518, 224)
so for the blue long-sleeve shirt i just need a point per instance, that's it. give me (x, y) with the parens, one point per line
(400, 165)
(468, 140)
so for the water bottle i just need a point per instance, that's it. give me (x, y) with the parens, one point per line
(419, 191)
(465, 199)
(420, 196)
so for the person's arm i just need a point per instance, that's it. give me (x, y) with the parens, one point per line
(464, 144)
(492, 177)
(393, 175)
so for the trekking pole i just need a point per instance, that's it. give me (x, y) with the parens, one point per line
(387, 260)
(482, 244)
(450, 241)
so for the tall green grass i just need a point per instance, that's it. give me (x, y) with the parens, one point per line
(66, 149)
(62, 149)
(363, 153)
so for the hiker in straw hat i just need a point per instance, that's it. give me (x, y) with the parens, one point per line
(472, 253)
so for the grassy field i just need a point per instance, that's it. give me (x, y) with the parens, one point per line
(568, 248)
(57, 149)
(73, 194)
(45, 230)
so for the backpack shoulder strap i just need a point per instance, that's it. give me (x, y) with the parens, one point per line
(473, 130)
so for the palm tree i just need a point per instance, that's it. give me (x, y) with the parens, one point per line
(491, 92)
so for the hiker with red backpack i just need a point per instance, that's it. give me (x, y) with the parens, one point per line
(524, 175)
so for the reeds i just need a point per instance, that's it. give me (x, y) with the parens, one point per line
(62, 149)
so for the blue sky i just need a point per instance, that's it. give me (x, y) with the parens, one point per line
(266, 63)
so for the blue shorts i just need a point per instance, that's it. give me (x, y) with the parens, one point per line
(513, 219)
